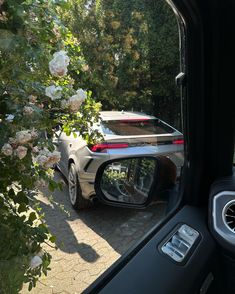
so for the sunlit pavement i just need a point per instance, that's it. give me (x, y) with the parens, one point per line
(89, 241)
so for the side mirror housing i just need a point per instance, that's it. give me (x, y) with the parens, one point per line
(134, 181)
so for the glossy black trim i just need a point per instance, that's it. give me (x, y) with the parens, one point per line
(88, 164)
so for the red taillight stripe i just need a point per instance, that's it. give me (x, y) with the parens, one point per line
(135, 120)
(178, 142)
(103, 146)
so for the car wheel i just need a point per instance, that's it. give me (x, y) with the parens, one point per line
(75, 193)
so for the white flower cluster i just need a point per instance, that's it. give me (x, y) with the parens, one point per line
(35, 261)
(54, 92)
(7, 149)
(24, 137)
(14, 146)
(10, 117)
(58, 65)
(28, 110)
(46, 158)
(21, 152)
(75, 101)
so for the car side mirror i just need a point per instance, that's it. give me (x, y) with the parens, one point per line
(134, 181)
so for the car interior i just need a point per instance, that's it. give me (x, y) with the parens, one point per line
(193, 249)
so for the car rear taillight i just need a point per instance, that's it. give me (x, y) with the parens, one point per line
(130, 120)
(103, 146)
(178, 142)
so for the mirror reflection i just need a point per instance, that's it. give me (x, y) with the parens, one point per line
(128, 180)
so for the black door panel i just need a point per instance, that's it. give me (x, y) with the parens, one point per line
(151, 271)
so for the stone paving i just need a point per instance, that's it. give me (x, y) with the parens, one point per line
(89, 241)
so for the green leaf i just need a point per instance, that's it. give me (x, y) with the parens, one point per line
(21, 198)
(22, 208)
(32, 216)
(51, 186)
(30, 286)
(11, 193)
(44, 271)
(52, 239)
(60, 186)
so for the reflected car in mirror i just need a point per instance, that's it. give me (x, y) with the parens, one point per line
(134, 181)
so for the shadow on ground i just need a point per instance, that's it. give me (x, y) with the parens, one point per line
(120, 227)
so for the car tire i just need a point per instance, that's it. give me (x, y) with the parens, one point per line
(75, 193)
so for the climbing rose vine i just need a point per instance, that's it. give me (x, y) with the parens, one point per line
(37, 93)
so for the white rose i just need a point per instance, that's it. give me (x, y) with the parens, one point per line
(35, 261)
(23, 137)
(54, 92)
(53, 158)
(21, 152)
(74, 103)
(12, 141)
(32, 99)
(76, 100)
(41, 159)
(35, 149)
(44, 151)
(47, 159)
(7, 149)
(81, 94)
(27, 110)
(58, 65)
(10, 117)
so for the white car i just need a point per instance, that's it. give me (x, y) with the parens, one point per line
(125, 134)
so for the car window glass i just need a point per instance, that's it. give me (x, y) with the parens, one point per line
(135, 127)
(104, 71)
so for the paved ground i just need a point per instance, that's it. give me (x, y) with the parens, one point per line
(89, 241)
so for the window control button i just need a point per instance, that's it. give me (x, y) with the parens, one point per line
(188, 234)
(170, 251)
(178, 246)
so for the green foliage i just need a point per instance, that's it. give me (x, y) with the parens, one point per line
(131, 54)
(30, 33)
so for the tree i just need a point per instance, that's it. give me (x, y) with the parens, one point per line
(130, 51)
(163, 60)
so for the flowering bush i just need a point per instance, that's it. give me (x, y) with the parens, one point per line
(37, 94)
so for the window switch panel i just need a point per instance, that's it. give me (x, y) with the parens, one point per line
(178, 246)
